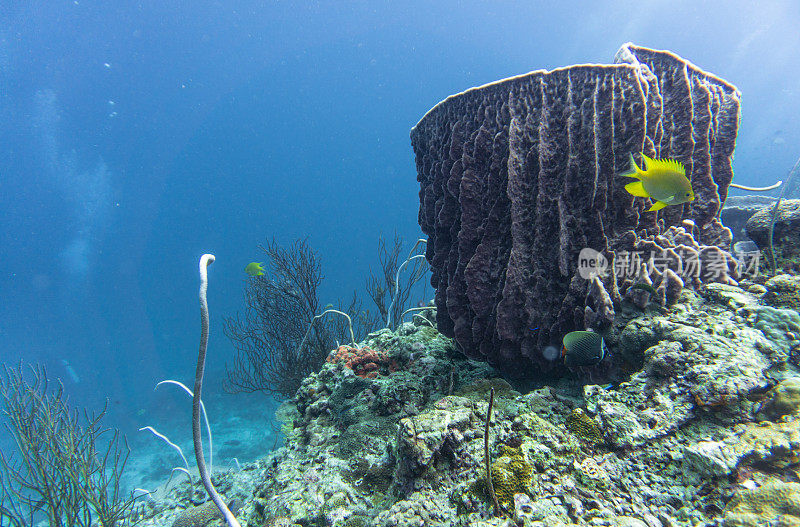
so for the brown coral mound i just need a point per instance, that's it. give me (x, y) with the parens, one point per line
(516, 177)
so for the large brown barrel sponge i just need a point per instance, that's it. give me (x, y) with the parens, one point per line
(517, 176)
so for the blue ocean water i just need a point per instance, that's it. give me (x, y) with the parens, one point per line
(138, 136)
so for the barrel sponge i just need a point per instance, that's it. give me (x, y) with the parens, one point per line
(517, 176)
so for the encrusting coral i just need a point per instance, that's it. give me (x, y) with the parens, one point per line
(590, 473)
(583, 426)
(202, 515)
(511, 475)
(364, 362)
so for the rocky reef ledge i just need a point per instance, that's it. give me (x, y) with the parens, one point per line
(696, 423)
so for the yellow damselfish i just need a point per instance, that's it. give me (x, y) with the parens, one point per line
(254, 269)
(663, 180)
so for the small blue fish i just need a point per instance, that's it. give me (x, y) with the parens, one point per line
(583, 348)
(71, 371)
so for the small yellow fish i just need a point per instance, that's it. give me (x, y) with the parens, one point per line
(664, 181)
(254, 268)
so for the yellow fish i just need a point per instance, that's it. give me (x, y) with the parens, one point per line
(664, 181)
(254, 268)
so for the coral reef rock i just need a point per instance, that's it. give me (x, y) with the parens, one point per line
(784, 399)
(783, 291)
(738, 209)
(518, 176)
(697, 426)
(785, 235)
(787, 226)
(775, 504)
